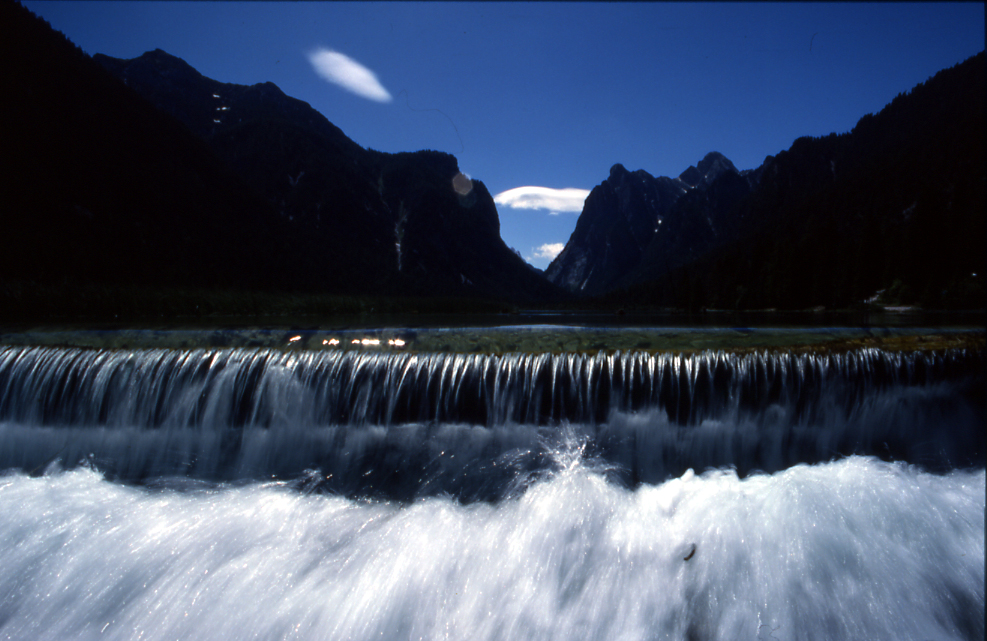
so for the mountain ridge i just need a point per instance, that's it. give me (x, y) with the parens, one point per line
(372, 207)
(144, 173)
(623, 216)
(111, 194)
(895, 205)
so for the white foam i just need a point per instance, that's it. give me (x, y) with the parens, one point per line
(856, 549)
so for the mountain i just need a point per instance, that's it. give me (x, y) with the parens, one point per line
(180, 181)
(711, 167)
(894, 208)
(618, 220)
(633, 217)
(144, 174)
(100, 186)
(897, 205)
(391, 221)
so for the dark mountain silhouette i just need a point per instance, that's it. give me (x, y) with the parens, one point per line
(391, 221)
(162, 185)
(895, 206)
(633, 222)
(99, 185)
(143, 175)
(618, 220)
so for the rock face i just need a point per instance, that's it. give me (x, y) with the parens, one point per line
(618, 220)
(634, 224)
(706, 217)
(711, 167)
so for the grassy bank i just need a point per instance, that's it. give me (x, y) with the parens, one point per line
(24, 302)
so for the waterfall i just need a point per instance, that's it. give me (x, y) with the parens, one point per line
(403, 424)
(291, 494)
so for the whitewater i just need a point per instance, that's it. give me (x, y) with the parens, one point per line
(257, 494)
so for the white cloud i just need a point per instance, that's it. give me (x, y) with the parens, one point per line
(554, 200)
(548, 251)
(348, 74)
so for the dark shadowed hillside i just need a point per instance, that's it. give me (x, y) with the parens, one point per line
(144, 177)
(202, 185)
(895, 206)
(391, 222)
(633, 224)
(100, 186)
(619, 218)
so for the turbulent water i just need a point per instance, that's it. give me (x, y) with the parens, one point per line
(265, 494)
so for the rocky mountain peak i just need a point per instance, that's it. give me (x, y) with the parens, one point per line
(157, 63)
(624, 215)
(712, 166)
(715, 162)
(617, 172)
(162, 58)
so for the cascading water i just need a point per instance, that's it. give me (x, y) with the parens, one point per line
(254, 493)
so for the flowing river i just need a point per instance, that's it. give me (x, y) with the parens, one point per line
(381, 493)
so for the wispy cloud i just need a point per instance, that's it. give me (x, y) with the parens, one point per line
(554, 200)
(348, 74)
(548, 251)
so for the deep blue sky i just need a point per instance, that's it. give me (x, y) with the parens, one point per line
(553, 94)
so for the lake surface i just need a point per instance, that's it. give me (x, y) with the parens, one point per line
(501, 480)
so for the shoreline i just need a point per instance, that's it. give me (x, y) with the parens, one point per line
(501, 339)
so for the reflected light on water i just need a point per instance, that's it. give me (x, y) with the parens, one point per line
(365, 341)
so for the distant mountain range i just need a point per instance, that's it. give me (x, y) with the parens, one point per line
(144, 174)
